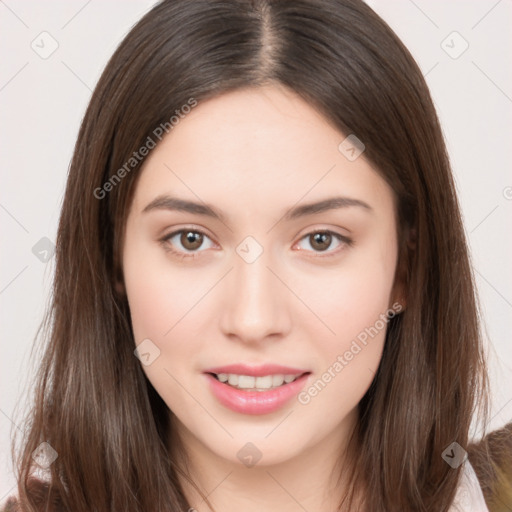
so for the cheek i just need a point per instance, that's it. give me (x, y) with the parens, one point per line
(162, 303)
(353, 296)
(354, 305)
(346, 367)
(159, 294)
(149, 302)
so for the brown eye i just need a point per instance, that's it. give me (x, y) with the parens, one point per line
(187, 242)
(323, 241)
(191, 240)
(320, 241)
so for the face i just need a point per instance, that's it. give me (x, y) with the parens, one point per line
(254, 286)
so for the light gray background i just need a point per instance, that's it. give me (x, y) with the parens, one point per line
(42, 102)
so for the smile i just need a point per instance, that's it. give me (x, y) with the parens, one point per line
(255, 394)
(251, 383)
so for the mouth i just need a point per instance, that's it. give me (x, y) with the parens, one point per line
(255, 390)
(258, 384)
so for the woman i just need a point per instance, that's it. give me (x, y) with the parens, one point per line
(258, 299)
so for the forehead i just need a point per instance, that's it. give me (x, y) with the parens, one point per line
(260, 148)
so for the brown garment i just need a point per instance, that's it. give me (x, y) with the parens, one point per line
(491, 459)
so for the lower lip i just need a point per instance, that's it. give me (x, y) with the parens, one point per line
(255, 402)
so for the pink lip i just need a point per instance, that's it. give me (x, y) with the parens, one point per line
(255, 402)
(256, 371)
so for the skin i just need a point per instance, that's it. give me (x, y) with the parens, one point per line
(254, 154)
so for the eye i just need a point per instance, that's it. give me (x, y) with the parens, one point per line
(190, 241)
(322, 240)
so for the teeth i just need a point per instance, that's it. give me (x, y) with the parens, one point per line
(263, 382)
(256, 383)
(277, 380)
(246, 381)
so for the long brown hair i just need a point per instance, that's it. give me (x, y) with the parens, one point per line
(93, 404)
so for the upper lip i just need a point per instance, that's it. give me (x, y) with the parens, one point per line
(256, 370)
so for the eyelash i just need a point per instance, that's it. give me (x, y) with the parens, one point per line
(167, 246)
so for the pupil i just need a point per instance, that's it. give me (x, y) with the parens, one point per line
(192, 240)
(323, 238)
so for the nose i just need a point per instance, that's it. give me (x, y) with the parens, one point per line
(256, 305)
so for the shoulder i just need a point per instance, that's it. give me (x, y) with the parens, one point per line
(469, 496)
(491, 458)
(11, 505)
(44, 496)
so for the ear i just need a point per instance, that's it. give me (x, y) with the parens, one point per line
(401, 284)
(119, 286)
(398, 295)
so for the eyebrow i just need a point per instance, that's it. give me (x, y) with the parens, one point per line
(166, 202)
